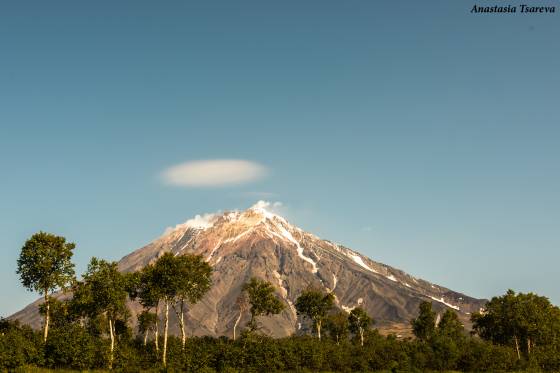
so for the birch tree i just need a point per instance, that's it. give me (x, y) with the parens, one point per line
(147, 291)
(424, 325)
(104, 291)
(165, 283)
(193, 280)
(315, 305)
(359, 322)
(262, 299)
(522, 321)
(337, 326)
(44, 266)
(146, 323)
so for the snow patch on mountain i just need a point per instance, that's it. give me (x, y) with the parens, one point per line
(291, 238)
(392, 278)
(359, 261)
(233, 239)
(442, 300)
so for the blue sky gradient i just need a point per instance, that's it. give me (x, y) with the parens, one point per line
(417, 133)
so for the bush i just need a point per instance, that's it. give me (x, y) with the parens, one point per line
(19, 345)
(72, 347)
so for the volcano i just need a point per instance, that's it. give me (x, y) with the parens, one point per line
(258, 242)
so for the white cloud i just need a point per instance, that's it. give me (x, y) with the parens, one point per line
(212, 173)
(199, 221)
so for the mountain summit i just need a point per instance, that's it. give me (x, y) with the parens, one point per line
(258, 242)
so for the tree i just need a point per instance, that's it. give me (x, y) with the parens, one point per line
(450, 326)
(103, 292)
(522, 321)
(337, 326)
(164, 284)
(194, 279)
(44, 265)
(359, 322)
(424, 325)
(315, 305)
(146, 323)
(262, 300)
(143, 286)
(61, 313)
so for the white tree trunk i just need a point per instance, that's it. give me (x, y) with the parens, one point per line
(362, 336)
(156, 333)
(236, 322)
(146, 337)
(517, 348)
(183, 334)
(47, 316)
(181, 317)
(111, 326)
(319, 329)
(166, 328)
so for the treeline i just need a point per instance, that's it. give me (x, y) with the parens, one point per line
(91, 329)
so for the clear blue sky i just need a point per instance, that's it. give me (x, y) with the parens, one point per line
(415, 132)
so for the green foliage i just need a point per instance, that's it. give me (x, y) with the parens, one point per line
(61, 314)
(102, 296)
(359, 322)
(425, 324)
(75, 348)
(165, 282)
(19, 345)
(146, 321)
(195, 277)
(72, 347)
(144, 288)
(337, 326)
(523, 321)
(44, 264)
(103, 290)
(315, 305)
(262, 299)
(450, 326)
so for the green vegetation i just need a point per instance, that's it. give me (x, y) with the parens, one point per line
(262, 299)
(90, 331)
(315, 305)
(44, 266)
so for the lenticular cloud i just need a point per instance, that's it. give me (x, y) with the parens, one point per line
(213, 173)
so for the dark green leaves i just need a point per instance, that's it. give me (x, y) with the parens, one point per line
(424, 325)
(314, 304)
(44, 264)
(262, 300)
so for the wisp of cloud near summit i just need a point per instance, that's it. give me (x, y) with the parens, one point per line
(213, 173)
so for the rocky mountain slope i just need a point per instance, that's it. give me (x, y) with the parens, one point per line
(257, 242)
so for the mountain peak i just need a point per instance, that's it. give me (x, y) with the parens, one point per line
(257, 214)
